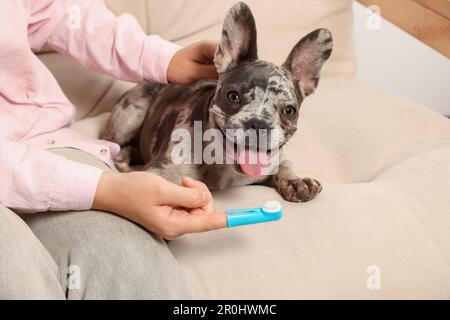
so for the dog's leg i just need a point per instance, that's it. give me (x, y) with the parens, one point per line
(128, 115)
(174, 173)
(125, 121)
(126, 157)
(291, 187)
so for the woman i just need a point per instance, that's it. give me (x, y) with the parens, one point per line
(84, 252)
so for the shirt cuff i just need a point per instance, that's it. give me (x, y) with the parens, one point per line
(74, 186)
(156, 58)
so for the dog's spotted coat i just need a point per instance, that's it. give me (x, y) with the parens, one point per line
(269, 98)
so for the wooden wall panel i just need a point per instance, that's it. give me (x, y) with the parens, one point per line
(441, 7)
(427, 20)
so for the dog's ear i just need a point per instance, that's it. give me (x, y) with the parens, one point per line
(238, 41)
(307, 58)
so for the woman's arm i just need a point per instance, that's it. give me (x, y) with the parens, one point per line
(34, 180)
(87, 31)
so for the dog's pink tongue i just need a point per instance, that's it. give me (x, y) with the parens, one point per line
(253, 163)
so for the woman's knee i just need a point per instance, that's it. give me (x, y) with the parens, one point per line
(114, 258)
(27, 270)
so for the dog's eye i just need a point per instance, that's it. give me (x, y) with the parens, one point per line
(289, 111)
(233, 97)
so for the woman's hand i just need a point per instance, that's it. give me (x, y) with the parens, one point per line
(193, 63)
(158, 205)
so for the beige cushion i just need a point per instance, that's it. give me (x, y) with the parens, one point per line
(352, 133)
(280, 24)
(324, 249)
(385, 164)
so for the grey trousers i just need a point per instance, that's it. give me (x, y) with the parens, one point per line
(84, 255)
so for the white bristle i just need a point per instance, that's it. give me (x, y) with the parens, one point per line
(272, 206)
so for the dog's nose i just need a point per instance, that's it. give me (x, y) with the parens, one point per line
(257, 125)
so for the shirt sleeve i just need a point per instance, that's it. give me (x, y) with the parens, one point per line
(35, 180)
(89, 32)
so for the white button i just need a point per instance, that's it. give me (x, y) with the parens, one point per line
(103, 152)
(51, 141)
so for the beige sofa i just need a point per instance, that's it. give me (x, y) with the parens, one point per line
(381, 226)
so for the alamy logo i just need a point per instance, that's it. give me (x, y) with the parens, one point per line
(373, 18)
(374, 279)
(74, 278)
(248, 148)
(73, 17)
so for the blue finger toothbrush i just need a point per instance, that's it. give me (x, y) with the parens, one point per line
(270, 211)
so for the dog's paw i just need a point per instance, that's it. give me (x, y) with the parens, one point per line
(299, 189)
(122, 166)
(122, 162)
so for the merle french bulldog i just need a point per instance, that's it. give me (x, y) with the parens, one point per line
(250, 94)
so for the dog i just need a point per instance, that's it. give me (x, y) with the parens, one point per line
(250, 94)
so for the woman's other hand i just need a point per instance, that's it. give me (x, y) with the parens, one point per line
(158, 205)
(193, 63)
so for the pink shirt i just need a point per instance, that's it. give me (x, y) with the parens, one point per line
(35, 114)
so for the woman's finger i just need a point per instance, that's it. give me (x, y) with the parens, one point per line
(205, 71)
(204, 51)
(203, 222)
(192, 183)
(179, 196)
